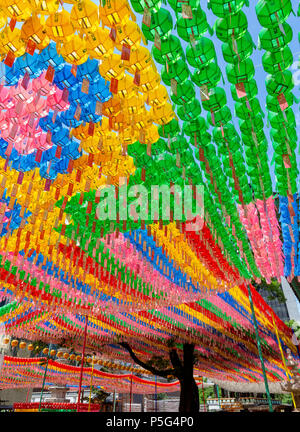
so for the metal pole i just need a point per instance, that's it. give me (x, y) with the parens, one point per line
(259, 350)
(155, 393)
(91, 384)
(82, 361)
(203, 396)
(283, 359)
(217, 387)
(114, 401)
(27, 394)
(130, 393)
(44, 379)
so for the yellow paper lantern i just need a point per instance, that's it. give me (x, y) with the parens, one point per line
(59, 27)
(162, 114)
(99, 44)
(149, 80)
(134, 104)
(11, 41)
(20, 10)
(114, 13)
(130, 35)
(74, 51)
(46, 7)
(120, 122)
(157, 97)
(60, 354)
(45, 351)
(81, 132)
(139, 60)
(44, 43)
(84, 16)
(6, 341)
(66, 356)
(33, 29)
(126, 87)
(142, 120)
(72, 357)
(149, 135)
(103, 128)
(89, 359)
(129, 136)
(30, 347)
(112, 107)
(14, 343)
(91, 144)
(111, 67)
(22, 345)
(78, 358)
(2, 18)
(53, 352)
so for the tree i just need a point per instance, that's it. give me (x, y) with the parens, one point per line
(208, 392)
(285, 398)
(182, 369)
(98, 395)
(274, 289)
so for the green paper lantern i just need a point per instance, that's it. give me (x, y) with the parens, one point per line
(217, 99)
(277, 61)
(201, 53)
(272, 103)
(169, 130)
(220, 117)
(170, 51)
(176, 5)
(196, 125)
(232, 26)
(192, 29)
(223, 8)
(282, 148)
(253, 140)
(160, 147)
(185, 93)
(239, 50)
(200, 139)
(274, 39)
(178, 71)
(250, 90)
(161, 23)
(209, 75)
(255, 123)
(280, 135)
(190, 110)
(178, 144)
(278, 120)
(139, 5)
(186, 158)
(262, 147)
(227, 133)
(240, 73)
(271, 13)
(242, 111)
(281, 82)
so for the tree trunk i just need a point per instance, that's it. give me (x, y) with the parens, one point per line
(189, 393)
(189, 396)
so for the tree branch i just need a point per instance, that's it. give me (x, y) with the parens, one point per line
(175, 360)
(188, 357)
(162, 373)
